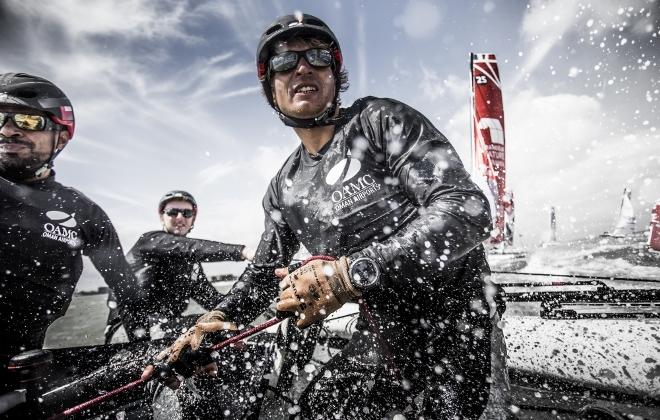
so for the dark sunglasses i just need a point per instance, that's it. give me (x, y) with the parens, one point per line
(30, 122)
(187, 213)
(316, 57)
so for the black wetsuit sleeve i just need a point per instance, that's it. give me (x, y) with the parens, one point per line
(104, 250)
(453, 215)
(162, 244)
(258, 286)
(203, 291)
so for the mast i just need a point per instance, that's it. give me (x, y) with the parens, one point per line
(553, 224)
(488, 157)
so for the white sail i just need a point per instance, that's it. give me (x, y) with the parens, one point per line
(625, 224)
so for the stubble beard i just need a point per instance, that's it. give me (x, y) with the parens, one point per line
(17, 168)
(307, 111)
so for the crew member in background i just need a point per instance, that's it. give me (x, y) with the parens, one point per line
(45, 227)
(167, 265)
(377, 187)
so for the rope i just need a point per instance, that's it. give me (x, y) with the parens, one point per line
(80, 407)
(267, 324)
(87, 404)
(249, 332)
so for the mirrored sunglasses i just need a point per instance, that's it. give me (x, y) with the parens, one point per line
(173, 212)
(316, 57)
(30, 122)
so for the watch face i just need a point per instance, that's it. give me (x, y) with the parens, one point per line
(364, 273)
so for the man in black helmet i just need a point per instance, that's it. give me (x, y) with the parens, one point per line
(377, 188)
(45, 227)
(167, 266)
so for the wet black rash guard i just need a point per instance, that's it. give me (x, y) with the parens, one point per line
(45, 228)
(169, 273)
(390, 186)
(168, 268)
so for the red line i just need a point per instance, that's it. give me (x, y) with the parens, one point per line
(247, 333)
(78, 408)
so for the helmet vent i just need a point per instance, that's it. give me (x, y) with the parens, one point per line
(273, 29)
(25, 93)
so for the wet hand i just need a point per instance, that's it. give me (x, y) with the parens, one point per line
(188, 344)
(210, 322)
(164, 373)
(280, 273)
(315, 290)
(248, 253)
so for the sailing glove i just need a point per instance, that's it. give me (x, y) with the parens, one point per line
(210, 322)
(316, 290)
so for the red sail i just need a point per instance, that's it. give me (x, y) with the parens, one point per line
(654, 235)
(488, 138)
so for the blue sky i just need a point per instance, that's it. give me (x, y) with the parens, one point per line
(166, 96)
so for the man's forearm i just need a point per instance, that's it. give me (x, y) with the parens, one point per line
(443, 232)
(251, 295)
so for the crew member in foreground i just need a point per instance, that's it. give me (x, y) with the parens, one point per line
(45, 227)
(376, 187)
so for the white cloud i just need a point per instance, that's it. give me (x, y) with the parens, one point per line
(268, 159)
(212, 82)
(247, 19)
(130, 199)
(420, 19)
(457, 87)
(561, 153)
(214, 172)
(361, 49)
(239, 92)
(548, 23)
(457, 130)
(138, 18)
(542, 28)
(433, 87)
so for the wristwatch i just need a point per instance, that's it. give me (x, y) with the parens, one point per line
(364, 274)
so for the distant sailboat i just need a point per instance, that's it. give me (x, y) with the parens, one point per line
(625, 223)
(551, 236)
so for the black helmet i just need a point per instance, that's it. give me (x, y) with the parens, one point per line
(286, 27)
(37, 93)
(177, 195)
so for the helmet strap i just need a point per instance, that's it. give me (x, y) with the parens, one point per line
(326, 118)
(53, 154)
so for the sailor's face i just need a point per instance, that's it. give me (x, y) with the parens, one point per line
(304, 91)
(22, 152)
(177, 223)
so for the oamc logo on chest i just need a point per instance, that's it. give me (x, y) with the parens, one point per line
(62, 228)
(352, 186)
